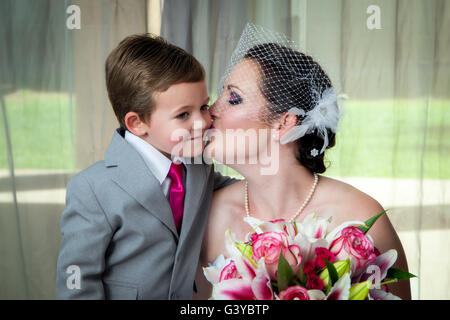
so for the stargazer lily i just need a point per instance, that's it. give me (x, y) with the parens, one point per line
(378, 271)
(244, 266)
(311, 234)
(315, 226)
(213, 271)
(379, 294)
(256, 288)
(382, 264)
(340, 290)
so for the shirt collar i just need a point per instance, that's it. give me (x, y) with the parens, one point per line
(158, 163)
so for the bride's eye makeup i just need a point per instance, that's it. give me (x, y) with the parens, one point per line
(234, 98)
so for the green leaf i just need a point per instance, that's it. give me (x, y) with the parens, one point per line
(341, 268)
(301, 277)
(274, 284)
(247, 251)
(285, 274)
(394, 273)
(332, 272)
(369, 222)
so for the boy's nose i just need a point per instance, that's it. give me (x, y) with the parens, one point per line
(202, 122)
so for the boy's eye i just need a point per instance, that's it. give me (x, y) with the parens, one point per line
(234, 98)
(182, 115)
(204, 107)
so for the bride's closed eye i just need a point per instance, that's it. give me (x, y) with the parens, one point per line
(234, 98)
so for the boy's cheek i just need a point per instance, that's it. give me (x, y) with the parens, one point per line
(180, 142)
(188, 148)
(174, 145)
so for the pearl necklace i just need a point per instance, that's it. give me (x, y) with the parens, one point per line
(308, 198)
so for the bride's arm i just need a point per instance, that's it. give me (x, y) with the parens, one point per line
(385, 237)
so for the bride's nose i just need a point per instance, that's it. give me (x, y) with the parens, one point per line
(214, 111)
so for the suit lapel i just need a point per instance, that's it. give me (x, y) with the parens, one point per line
(195, 188)
(132, 175)
(195, 185)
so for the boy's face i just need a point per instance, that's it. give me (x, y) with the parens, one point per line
(179, 119)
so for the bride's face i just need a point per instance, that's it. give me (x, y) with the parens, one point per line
(237, 120)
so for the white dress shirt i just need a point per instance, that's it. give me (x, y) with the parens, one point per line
(157, 163)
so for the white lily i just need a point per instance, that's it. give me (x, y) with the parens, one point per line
(340, 290)
(213, 270)
(311, 234)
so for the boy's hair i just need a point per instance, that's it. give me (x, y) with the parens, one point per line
(142, 65)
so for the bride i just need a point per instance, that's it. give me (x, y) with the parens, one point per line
(272, 87)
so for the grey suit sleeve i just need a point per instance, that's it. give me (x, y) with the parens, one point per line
(221, 181)
(86, 234)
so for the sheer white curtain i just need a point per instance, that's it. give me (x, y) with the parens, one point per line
(55, 121)
(390, 58)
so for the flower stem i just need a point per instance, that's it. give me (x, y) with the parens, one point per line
(386, 282)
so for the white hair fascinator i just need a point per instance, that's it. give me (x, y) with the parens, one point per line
(269, 76)
(325, 115)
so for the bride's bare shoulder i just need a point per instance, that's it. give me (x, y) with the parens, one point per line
(348, 201)
(231, 196)
(229, 199)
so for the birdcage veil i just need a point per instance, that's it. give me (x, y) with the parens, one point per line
(269, 76)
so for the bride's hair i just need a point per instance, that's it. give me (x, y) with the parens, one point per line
(298, 86)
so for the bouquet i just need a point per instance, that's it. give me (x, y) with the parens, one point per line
(285, 260)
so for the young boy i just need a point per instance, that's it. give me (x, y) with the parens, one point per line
(133, 224)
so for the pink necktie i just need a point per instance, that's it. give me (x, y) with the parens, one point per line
(176, 193)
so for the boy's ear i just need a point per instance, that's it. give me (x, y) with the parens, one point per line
(134, 124)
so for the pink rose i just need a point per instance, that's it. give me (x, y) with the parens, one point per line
(294, 293)
(229, 272)
(268, 245)
(354, 243)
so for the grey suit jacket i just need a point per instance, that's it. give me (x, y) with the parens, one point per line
(119, 238)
